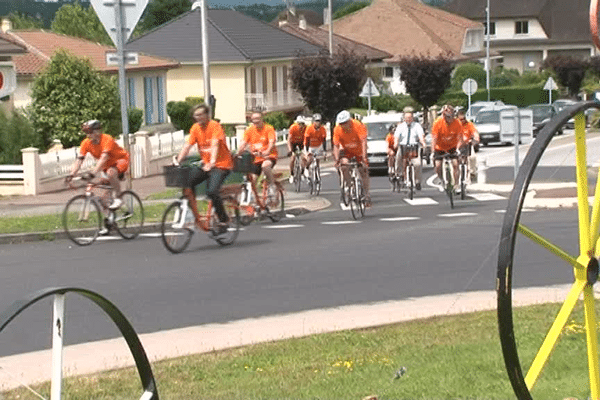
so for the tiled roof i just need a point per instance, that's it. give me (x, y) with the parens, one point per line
(405, 27)
(8, 45)
(320, 37)
(42, 45)
(232, 37)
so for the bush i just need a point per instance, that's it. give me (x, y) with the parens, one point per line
(386, 102)
(194, 100)
(179, 112)
(521, 96)
(16, 133)
(279, 120)
(134, 118)
(468, 70)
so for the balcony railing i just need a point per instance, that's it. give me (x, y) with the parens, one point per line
(274, 101)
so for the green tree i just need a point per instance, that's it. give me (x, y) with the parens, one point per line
(75, 20)
(468, 70)
(20, 20)
(16, 133)
(569, 70)
(349, 8)
(426, 78)
(69, 92)
(159, 12)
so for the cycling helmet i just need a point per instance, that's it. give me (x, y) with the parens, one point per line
(91, 125)
(343, 116)
(299, 119)
(317, 117)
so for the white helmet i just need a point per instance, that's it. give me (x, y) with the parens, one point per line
(299, 119)
(343, 116)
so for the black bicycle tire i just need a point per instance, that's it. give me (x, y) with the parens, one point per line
(353, 200)
(234, 221)
(345, 194)
(71, 233)
(277, 215)
(166, 242)
(410, 181)
(139, 229)
(449, 186)
(317, 179)
(463, 182)
(361, 197)
(297, 173)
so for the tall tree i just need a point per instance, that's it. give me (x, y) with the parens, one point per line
(159, 12)
(329, 84)
(81, 22)
(68, 93)
(569, 70)
(426, 78)
(20, 20)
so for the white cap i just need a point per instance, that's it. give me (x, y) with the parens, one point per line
(343, 116)
(299, 119)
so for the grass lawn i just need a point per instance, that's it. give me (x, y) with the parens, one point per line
(452, 357)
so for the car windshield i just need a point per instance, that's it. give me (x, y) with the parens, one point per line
(475, 110)
(541, 112)
(377, 130)
(560, 105)
(488, 117)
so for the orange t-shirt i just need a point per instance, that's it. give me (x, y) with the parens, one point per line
(390, 140)
(258, 140)
(352, 139)
(203, 137)
(315, 137)
(446, 136)
(296, 133)
(107, 145)
(468, 131)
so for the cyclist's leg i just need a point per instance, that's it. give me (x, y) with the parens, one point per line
(364, 174)
(197, 176)
(114, 174)
(455, 172)
(216, 177)
(267, 169)
(418, 171)
(345, 170)
(391, 160)
(437, 164)
(398, 165)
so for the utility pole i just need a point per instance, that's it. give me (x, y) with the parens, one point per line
(487, 51)
(205, 61)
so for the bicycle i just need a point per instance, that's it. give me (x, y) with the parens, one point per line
(297, 172)
(448, 174)
(314, 175)
(463, 171)
(406, 155)
(252, 205)
(86, 214)
(353, 192)
(178, 223)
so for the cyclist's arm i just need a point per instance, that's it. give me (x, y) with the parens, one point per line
(336, 153)
(76, 165)
(100, 164)
(184, 152)
(214, 150)
(269, 148)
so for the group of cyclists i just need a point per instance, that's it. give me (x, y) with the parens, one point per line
(451, 134)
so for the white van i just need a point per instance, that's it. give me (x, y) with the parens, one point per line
(378, 127)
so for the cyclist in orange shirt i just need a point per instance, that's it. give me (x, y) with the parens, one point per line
(217, 163)
(313, 140)
(350, 141)
(470, 138)
(295, 140)
(113, 160)
(391, 151)
(446, 138)
(260, 137)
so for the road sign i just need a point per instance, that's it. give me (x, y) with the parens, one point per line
(132, 11)
(369, 89)
(469, 86)
(8, 79)
(550, 84)
(129, 57)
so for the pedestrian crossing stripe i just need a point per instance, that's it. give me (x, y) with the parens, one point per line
(421, 201)
(339, 222)
(397, 219)
(283, 226)
(486, 196)
(463, 214)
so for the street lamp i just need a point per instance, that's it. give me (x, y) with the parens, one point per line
(487, 50)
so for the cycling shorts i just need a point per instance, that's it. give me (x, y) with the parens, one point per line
(317, 150)
(257, 167)
(440, 154)
(122, 165)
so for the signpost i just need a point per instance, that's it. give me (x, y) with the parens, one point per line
(369, 90)
(550, 86)
(8, 79)
(469, 87)
(119, 17)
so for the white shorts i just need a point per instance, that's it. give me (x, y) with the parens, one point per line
(317, 150)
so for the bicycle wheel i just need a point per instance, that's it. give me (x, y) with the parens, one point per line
(344, 192)
(246, 215)
(561, 252)
(297, 173)
(410, 182)
(317, 178)
(463, 181)
(129, 218)
(233, 212)
(275, 205)
(449, 185)
(177, 227)
(82, 220)
(360, 191)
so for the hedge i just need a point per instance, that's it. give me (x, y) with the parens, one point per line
(521, 96)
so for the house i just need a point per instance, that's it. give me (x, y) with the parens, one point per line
(526, 32)
(406, 27)
(8, 76)
(249, 62)
(146, 81)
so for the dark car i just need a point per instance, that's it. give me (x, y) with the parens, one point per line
(542, 114)
(560, 105)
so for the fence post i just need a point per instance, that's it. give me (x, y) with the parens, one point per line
(142, 139)
(32, 170)
(239, 133)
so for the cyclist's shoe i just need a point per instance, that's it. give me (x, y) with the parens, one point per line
(219, 230)
(418, 185)
(368, 202)
(291, 179)
(116, 204)
(105, 228)
(306, 173)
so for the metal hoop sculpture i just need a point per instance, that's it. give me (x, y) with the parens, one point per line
(585, 265)
(131, 337)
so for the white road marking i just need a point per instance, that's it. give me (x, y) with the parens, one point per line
(399, 219)
(344, 207)
(486, 196)
(290, 216)
(522, 210)
(283, 226)
(421, 201)
(108, 238)
(339, 222)
(463, 214)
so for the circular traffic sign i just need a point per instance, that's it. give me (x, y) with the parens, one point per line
(1, 80)
(469, 86)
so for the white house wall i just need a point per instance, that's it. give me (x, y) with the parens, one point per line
(505, 30)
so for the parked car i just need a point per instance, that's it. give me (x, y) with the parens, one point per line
(378, 127)
(479, 105)
(542, 114)
(560, 105)
(487, 122)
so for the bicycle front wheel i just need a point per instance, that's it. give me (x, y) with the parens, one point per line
(176, 228)
(129, 218)
(354, 201)
(463, 181)
(317, 179)
(297, 174)
(410, 173)
(232, 209)
(246, 215)
(275, 205)
(449, 185)
(82, 220)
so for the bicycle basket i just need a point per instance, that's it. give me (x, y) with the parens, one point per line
(244, 162)
(177, 176)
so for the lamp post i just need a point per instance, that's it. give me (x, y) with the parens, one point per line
(487, 50)
(205, 60)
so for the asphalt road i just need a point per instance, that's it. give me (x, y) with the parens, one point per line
(322, 259)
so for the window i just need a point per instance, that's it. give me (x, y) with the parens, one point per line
(492, 28)
(521, 27)
(388, 72)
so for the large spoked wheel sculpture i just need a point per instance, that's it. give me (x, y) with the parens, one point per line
(532, 244)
